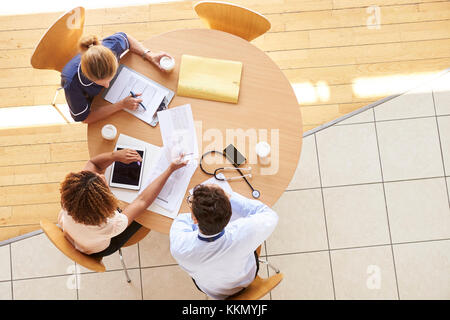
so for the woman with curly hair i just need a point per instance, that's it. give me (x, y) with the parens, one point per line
(90, 216)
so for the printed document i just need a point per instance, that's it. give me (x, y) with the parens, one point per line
(176, 185)
(128, 80)
(178, 131)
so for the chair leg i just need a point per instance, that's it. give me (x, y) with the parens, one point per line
(56, 95)
(123, 265)
(270, 265)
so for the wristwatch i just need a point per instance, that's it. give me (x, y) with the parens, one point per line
(145, 52)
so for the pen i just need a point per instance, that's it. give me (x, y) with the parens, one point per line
(134, 96)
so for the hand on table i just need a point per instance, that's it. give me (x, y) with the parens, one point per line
(155, 58)
(131, 103)
(127, 156)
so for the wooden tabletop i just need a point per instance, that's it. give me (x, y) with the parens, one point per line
(267, 110)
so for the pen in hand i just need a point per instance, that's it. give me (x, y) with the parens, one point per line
(134, 96)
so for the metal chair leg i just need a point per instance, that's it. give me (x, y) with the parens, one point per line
(56, 94)
(270, 265)
(123, 265)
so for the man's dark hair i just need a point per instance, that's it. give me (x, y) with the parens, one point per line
(212, 209)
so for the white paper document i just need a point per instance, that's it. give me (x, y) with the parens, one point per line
(129, 81)
(172, 194)
(178, 131)
(151, 161)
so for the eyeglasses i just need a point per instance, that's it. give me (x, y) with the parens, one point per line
(189, 199)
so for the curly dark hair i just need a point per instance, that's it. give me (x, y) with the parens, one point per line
(87, 198)
(212, 209)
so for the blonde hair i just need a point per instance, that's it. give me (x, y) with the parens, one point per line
(97, 61)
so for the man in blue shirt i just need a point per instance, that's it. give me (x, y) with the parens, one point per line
(215, 243)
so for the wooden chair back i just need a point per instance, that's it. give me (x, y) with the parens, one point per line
(138, 236)
(59, 44)
(56, 236)
(232, 18)
(258, 288)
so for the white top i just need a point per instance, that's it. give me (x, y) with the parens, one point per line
(226, 265)
(92, 239)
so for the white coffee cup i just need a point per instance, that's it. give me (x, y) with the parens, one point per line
(109, 132)
(167, 63)
(263, 151)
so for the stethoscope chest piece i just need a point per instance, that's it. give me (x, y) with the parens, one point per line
(256, 194)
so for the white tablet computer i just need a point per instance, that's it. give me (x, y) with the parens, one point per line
(128, 176)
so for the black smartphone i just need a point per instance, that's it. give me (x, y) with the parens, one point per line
(234, 155)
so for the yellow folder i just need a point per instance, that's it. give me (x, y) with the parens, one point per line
(210, 79)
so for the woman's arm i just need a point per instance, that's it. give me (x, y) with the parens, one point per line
(153, 57)
(99, 163)
(145, 199)
(105, 111)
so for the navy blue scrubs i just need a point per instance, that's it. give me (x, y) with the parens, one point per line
(79, 90)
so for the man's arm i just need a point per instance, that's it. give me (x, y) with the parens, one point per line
(181, 227)
(256, 223)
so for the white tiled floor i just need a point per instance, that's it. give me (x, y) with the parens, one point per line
(366, 216)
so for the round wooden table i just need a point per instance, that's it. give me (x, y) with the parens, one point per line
(267, 107)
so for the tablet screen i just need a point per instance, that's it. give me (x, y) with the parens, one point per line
(127, 173)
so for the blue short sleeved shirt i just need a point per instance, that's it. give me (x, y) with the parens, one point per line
(79, 90)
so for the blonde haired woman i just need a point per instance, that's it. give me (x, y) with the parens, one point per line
(89, 72)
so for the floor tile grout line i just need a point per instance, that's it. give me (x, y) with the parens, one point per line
(325, 217)
(365, 183)
(78, 280)
(140, 271)
(389, 120)
(386, 205)
(440, 145)
(11, 271)
(68, 274)
(339, 123)
(358, 247)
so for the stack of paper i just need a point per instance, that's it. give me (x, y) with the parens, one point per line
(128, 80)
(210, 79)
(179, 137)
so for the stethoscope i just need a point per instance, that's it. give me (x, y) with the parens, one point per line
(255, 193)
